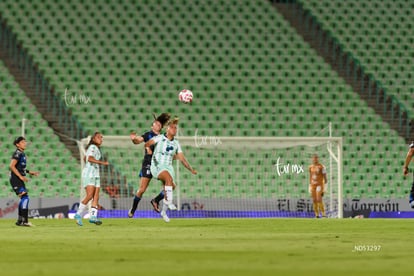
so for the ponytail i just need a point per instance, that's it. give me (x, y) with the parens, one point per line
(91, 141)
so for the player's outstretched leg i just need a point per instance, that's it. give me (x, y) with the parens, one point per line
(155, 202)
(135, 202)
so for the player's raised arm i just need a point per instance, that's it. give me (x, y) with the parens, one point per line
(136, 139)
(180, 156)
(150, 143)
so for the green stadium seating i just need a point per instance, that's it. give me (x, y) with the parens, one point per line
(377, 35)
(45, 152)
(243, 61)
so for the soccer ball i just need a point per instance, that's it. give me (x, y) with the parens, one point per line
(185, 96)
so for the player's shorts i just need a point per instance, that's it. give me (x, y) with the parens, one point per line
(145, 171)
(93, 181)
(18, 186)
(156, 170)
(315, 188)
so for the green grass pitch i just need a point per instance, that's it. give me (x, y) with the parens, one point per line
(208, 247)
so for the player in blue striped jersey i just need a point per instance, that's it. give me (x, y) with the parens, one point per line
(18, 173)
(166, 149)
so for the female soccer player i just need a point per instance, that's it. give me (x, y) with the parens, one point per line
(145, 172)
(18, 178)
(166, 149)
(91, 180)
(317, 185)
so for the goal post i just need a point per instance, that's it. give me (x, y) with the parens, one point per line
(237, 176)
(293, 171)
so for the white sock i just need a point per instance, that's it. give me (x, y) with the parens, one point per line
(93, 212)
(168, 195)
(164, 207)
(81, 209)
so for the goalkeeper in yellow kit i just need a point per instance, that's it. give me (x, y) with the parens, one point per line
(318, 183)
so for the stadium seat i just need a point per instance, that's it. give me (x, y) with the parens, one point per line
(252, 73)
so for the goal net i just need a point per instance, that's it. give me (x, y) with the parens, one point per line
(237, 176)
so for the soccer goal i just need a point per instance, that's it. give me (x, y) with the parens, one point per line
(237, 176)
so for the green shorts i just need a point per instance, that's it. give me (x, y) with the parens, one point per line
(94, 181)
(156, 170)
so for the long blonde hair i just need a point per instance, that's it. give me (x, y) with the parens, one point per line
(173, 121)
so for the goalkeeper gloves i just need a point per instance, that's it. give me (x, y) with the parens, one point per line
(325, 187)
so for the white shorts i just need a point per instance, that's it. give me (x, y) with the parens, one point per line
(156, 170)
(91, 181)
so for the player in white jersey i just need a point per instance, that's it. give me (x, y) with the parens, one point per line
(91, 180)
(166, 149)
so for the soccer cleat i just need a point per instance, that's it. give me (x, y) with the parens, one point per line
(95, 220)
(155, 205)
(78, 220)
(25, 224)
(172, 206)
(164, 216)
(130, 213)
